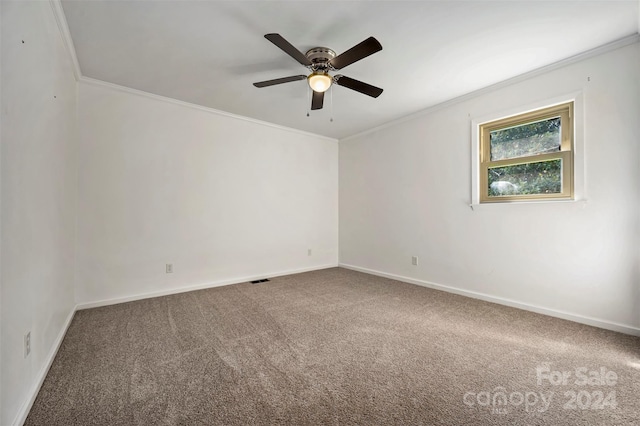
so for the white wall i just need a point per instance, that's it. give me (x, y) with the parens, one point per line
(38, 197)
(405, 190)
(220, 198)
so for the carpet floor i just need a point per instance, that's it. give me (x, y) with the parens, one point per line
(335, 347)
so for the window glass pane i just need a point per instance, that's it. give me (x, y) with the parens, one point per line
(544, 177)
(527, 139)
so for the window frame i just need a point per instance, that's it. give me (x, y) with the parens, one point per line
(565, 112)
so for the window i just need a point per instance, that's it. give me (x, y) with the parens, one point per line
(528, 156)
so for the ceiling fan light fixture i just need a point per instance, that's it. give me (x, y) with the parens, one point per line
(319, 81)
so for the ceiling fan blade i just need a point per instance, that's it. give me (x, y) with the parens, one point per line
(317, 100)
(357, 52)
(358, 86)
(288, 48)
(280, 81)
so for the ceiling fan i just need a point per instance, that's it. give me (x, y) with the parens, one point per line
(322, 60)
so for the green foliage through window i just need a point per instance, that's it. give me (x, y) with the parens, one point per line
(543, 177)
(528, 139)
(527, 156)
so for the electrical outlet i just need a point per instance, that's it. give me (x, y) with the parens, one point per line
(414, 260)
(309, 252)
(169, 268)
(27, 344)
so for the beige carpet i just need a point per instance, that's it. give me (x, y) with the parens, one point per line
(335, 347)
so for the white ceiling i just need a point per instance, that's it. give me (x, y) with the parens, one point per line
(210, 52)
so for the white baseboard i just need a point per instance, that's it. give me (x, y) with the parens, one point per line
(238, 280)
(600, 323)
(23, 412)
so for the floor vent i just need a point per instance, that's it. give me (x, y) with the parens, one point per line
(259, 281)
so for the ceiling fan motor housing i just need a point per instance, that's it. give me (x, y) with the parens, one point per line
(320, 57)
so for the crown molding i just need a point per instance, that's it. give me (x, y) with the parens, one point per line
(65, 34)
(61, 20)
(136, 92)
(634, 38)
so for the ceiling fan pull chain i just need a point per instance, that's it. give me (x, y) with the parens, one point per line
(331, 89)
(308, 99)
